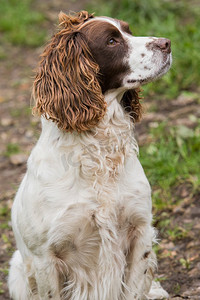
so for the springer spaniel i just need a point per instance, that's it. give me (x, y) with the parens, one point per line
(82, 215)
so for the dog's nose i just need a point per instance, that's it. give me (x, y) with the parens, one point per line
(163, 44)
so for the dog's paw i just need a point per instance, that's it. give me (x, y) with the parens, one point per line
(157, 292)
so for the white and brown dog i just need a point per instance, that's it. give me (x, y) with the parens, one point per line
(82, 215)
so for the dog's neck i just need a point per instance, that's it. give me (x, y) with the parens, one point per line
(115, 94)
(116, 126)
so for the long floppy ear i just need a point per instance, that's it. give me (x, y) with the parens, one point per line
(66, 88)
(130, 102)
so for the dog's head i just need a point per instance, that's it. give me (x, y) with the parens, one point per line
(88, 57)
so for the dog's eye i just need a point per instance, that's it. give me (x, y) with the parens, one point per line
(112, 42)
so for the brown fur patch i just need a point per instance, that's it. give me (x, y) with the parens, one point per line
(66, 87)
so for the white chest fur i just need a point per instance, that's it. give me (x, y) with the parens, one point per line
(96, 174)
(84, 201)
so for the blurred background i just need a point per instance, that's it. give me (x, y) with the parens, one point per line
(168, 135)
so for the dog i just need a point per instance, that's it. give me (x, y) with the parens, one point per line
(82, 215)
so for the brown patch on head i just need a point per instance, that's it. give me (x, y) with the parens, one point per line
(110, 58)
(125, 27)
(143, 55)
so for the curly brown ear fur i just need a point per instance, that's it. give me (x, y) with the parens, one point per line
(66, 88)
(131, 104)
(72, 21)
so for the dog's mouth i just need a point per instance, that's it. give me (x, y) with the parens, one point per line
(159, 73)
(163, 70)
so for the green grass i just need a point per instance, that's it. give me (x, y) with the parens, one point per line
(20, 112)
(20, 23)
(170, 160)
(1, 290)
(177, 20)
(4, 211)
(12, 149)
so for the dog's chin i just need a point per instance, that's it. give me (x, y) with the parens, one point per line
(158, 74)
(155, 75)
(162, 71)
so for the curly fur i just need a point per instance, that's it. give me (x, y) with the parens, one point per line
(82, 214)
(66, 88)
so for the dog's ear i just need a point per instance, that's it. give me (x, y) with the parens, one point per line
(66, 88)
(131, 103)
(72, 21)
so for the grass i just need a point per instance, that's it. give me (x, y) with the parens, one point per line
(11, 149)
(20, 112)
(178, 20)
(176, 288)
(176, 233)
(170, 160)
(20, 23)
(185, 263)
(1, 289)
(4, 211)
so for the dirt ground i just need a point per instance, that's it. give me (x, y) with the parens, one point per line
(179, 261)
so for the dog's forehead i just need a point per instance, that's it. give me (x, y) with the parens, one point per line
(122, 26)
(116, 23)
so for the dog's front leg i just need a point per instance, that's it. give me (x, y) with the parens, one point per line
(47, 279)
(141, 263)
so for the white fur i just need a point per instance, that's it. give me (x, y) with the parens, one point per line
(146, 64)
(82, 216)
